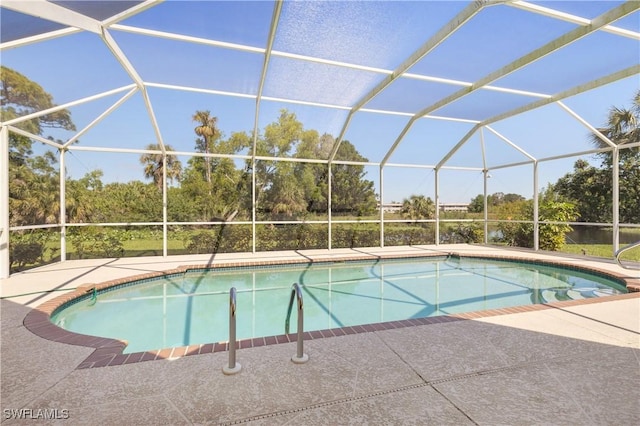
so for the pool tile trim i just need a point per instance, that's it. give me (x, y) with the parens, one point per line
(108, 352)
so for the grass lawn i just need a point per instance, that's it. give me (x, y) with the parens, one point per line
(151, 247)
(600, 250)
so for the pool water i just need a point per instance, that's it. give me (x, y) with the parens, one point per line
(193, 308)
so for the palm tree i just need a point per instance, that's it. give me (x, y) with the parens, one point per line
(623, 127)
(154, 163)
(207, 129)
(417, 207)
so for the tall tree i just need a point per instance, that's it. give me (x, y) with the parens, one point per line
(552, 208)
(216, 185)
(351, 191)
(277, 188)
(33, 180)
(623, 127)
(313, 177)
(208, 131)
(82, 198)
(20, 96)
(132, 201)
(155, 163)
(590, 187)
(34, 191)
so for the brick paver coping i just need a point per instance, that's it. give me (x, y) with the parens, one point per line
(108, 352)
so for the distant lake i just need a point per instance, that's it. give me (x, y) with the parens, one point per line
(593, 235)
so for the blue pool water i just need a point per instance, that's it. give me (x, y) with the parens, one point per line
(193, 308)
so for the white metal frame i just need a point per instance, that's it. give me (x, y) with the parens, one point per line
(77, 22)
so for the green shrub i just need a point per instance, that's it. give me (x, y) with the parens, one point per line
(31, 248)
(90, 241)
(25, 253)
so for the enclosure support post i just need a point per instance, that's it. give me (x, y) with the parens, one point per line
(616, 198)
(485, 207)
(437, 195)
(4, 203)
(381, 209)
(253, 205)
(329, 206)
(63, 208)
(536, 211)
(164, 204)
(486, 175)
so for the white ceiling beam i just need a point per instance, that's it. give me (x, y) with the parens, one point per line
(275, 19)
(586, 124)
(101, 117)
(462, 141)
(574, 154)
(186, 39)
(618, 75)
(554, 45)
(133, 73)
(34, 137)
(628, 72)
(458, 120)
(307, 103)
(198, 90)
(297, 102)
(134, 10)
(55, 13)
(629, 145)
(511, 144)
(341, 64)
(38, 38)
(436, 79)
(470, 169)
(152, 117)
(509, 165)
(578, 20)
(113, 150)
(385, 112)
(122, 59)
(523, 61)
(259, 50)
(438, 38)
(65, 106)
(516, 91)
(411, 166)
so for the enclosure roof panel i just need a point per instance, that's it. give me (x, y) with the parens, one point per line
(99, 10)
(391, 64)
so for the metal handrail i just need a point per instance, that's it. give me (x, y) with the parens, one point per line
(233, 367)
(300, 357)
(622, 250)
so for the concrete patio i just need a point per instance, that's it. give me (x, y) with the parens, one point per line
(574, 364)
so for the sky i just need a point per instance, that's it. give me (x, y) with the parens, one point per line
(377, 35)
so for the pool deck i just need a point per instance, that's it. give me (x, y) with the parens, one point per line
(574, 363)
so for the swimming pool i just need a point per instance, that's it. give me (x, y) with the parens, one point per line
(192, 307)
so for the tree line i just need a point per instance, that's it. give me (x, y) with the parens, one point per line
(208, 188)
(215, 189)
(212, 187)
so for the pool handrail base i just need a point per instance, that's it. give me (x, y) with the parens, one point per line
(619, 252)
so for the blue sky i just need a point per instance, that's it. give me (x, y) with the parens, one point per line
(374, 34)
